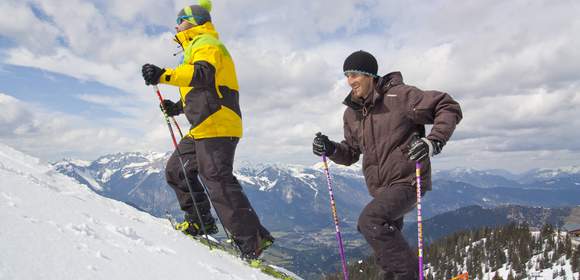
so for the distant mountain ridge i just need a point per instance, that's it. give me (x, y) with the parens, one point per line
(545, 178)
(473, 217)
(138, 179)
(134, 178)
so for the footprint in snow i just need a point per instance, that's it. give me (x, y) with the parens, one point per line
(10, 200)
(100, 255)
(127, 232)
(83, 230)
(216, 270)
(161, 250)
(31, 219)
(91, 219)
(92, 268)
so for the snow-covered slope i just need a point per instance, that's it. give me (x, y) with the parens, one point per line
(54, 228)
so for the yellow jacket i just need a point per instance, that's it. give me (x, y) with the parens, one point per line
(207, 84)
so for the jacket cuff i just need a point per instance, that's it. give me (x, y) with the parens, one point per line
(166, 76)
(432, 137)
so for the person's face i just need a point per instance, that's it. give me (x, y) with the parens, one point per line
(184, 25)
(362, 85)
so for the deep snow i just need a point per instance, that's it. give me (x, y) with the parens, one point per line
(54, 228)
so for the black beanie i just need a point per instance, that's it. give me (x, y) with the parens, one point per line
(361, 62)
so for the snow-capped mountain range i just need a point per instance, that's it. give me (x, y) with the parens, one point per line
(55, 228)
(566, 177)
(138, 179)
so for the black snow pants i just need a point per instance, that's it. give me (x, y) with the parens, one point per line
(381, 222)
(213, 159)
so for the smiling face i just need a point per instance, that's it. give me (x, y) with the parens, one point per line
(362, 85)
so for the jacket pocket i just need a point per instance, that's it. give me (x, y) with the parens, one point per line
(403, 168)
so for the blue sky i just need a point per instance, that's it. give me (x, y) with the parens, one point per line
(70, 82)
(55, 91)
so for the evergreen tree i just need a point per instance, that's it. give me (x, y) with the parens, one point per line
(537, 245)
(545, 260)
(469, 265)
(517, 264)
(568, 246)
(511, 276)
(547, 230)
(575, 262)
(540, 264)
(560, 250)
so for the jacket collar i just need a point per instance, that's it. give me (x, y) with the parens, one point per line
(185, 37)
(383, 84)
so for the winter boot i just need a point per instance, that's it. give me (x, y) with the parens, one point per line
(265, 243)
(191, 225)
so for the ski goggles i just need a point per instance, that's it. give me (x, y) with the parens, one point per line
(182, 18)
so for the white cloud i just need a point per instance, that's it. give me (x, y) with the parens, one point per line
(100, 99)
(11, 116)
(18, 22)
(53, 135)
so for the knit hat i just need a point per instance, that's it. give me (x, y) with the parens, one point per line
(195, 14)
(361, 62)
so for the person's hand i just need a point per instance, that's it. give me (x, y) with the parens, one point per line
(171, 108)
(421, 148)
(151, 74)
(321, 145)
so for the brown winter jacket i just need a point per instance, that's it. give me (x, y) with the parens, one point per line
(382, 126)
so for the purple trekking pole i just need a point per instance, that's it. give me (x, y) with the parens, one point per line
(335, 217)
(419, 219)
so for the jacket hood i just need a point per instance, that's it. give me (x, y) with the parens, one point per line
(383, 84)
(184, 37)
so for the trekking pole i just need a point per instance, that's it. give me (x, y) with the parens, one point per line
(177, 125)
(156, 89)
(335, 217)
(419, 219)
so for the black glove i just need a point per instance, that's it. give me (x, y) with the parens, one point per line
(322, 145)
(420, 148)
(171, 108)
(151, 74)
